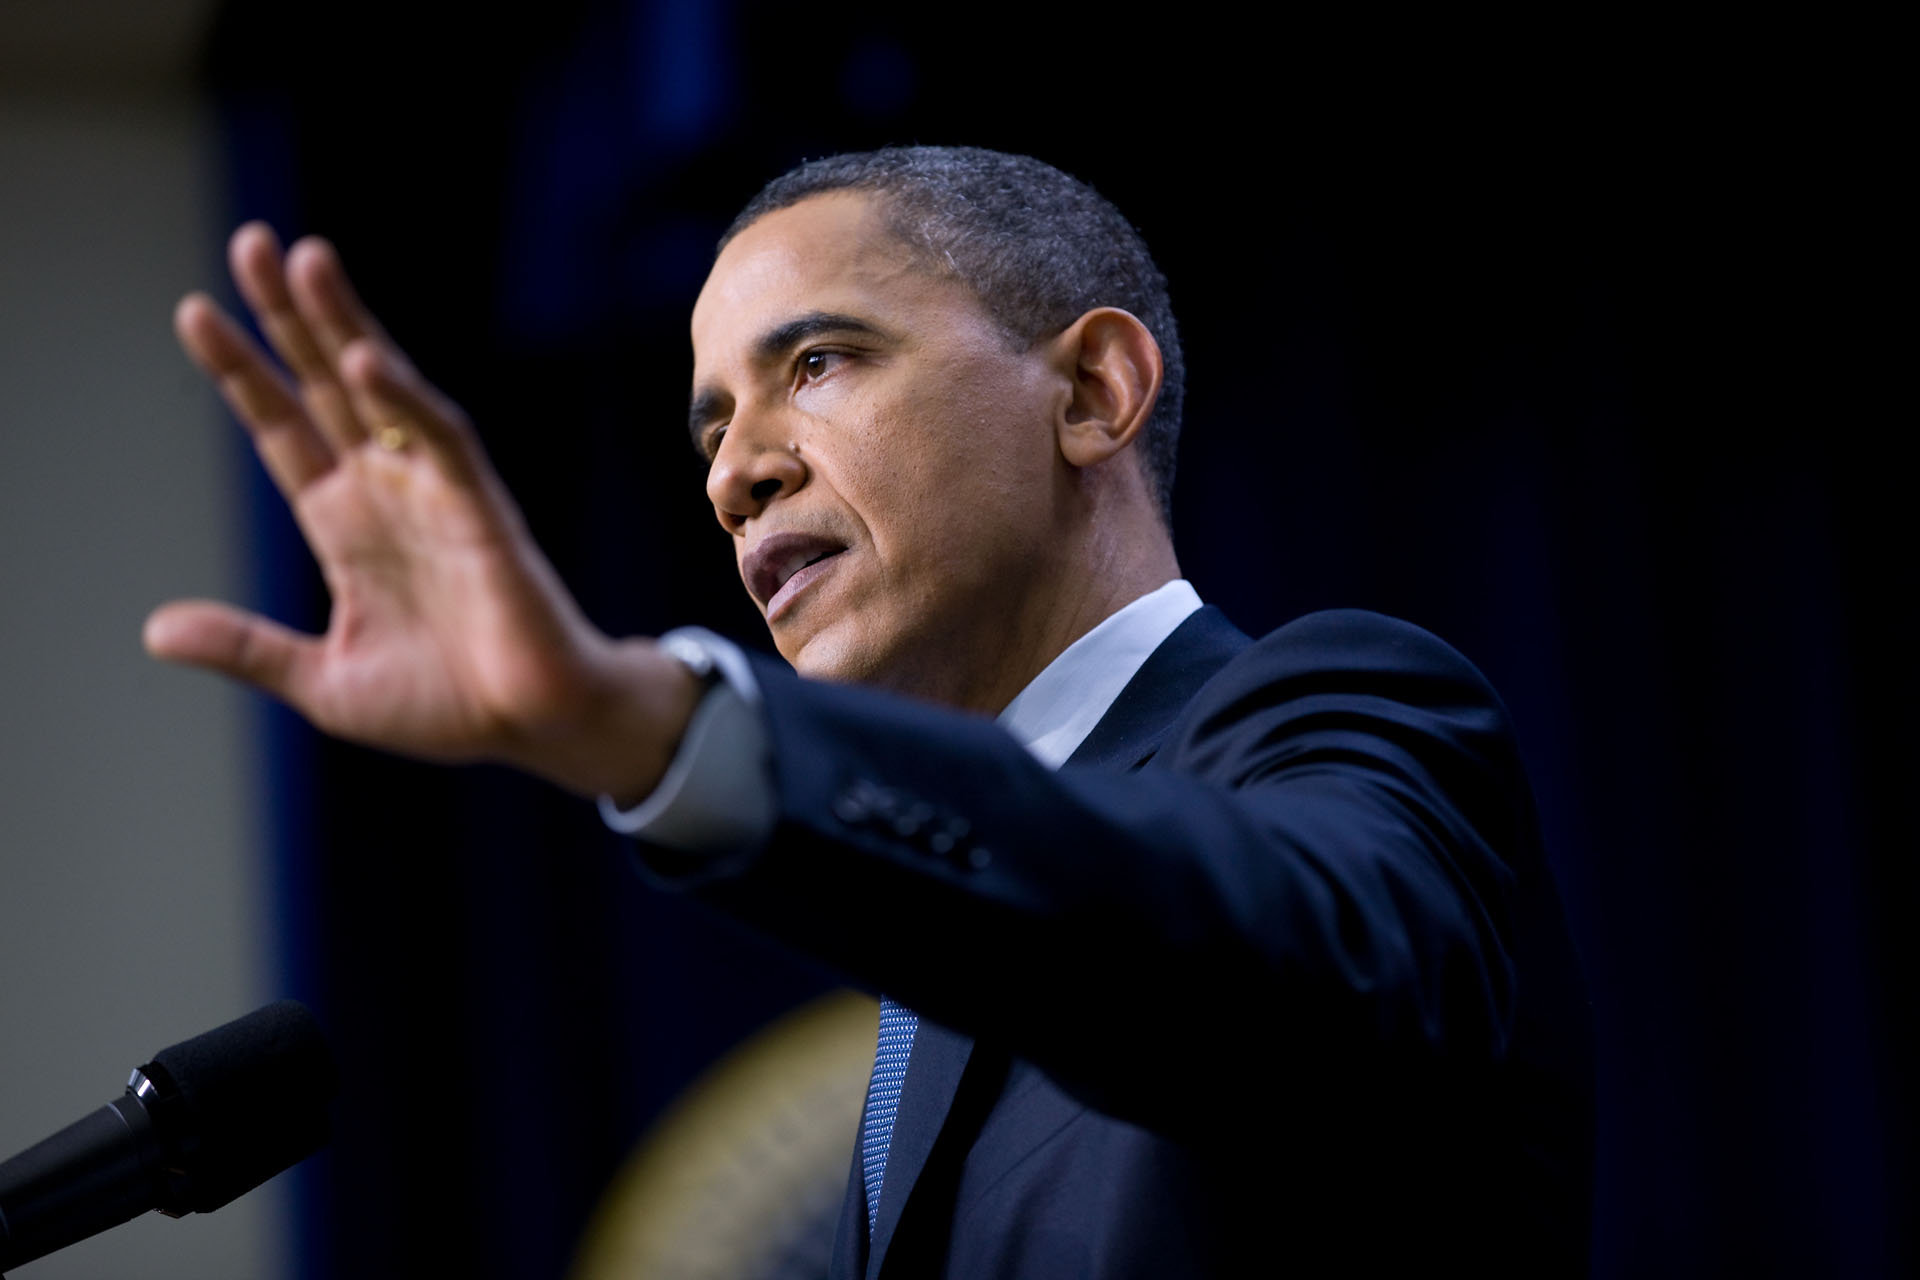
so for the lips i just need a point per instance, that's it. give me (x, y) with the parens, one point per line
(783, 564)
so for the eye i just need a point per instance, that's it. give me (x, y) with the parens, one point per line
(815, 365)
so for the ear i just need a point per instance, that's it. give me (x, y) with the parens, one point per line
(1115, 369)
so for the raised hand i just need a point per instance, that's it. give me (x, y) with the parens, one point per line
(450, 637)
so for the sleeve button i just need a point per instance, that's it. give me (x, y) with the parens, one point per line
(855, 804)
(909, 821)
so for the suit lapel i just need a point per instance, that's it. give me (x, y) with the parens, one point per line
(1126, 737)
(1132, 730)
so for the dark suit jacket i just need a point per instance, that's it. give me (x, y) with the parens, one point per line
(1270, 977)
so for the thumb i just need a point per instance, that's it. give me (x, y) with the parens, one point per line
(233, 642)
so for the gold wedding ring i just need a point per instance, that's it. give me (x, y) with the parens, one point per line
(392, 438)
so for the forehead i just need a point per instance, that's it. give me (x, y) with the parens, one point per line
(834, 252)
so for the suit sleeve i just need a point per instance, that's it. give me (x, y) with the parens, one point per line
(1316, 867)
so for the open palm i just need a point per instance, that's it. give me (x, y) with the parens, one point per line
(450, 635)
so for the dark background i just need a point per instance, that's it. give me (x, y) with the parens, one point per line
(1557, 342)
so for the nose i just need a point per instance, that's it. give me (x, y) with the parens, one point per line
(750, 469)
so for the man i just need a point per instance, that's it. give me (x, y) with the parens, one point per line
(1212, 957)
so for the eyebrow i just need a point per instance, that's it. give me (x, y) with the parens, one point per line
(708, 404)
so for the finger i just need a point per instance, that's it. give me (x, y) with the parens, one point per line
(292, 450)
(246, 646)
(260, 272)
(327, 300)
(391, 393)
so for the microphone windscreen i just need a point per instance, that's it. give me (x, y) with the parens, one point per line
(251, 1099)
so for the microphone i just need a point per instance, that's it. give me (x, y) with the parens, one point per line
(207, 1120)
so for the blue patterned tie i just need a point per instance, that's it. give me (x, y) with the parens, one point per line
(883, 1098)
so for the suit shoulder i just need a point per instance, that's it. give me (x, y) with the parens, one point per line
(1357, 648)
(1345, 683)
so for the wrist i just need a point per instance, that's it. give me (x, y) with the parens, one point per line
(633, 711)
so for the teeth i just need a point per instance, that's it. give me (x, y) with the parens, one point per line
(795, 562)
(793, 565)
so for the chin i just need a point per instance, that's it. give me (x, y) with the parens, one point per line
(862, 659)
(825, 655)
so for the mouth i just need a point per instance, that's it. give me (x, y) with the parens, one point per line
(783, 565)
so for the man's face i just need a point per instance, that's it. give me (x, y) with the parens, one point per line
(882, 455)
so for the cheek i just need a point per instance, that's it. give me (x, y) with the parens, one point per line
(946, 474)
(985, 431)
(924, 478)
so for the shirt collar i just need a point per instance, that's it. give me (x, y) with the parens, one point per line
(1054, 714)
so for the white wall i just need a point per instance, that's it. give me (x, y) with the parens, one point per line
(133, 882)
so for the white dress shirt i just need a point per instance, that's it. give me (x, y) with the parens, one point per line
(1054, 714)
(708, 801)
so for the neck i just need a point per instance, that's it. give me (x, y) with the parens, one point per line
(1057, 609)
